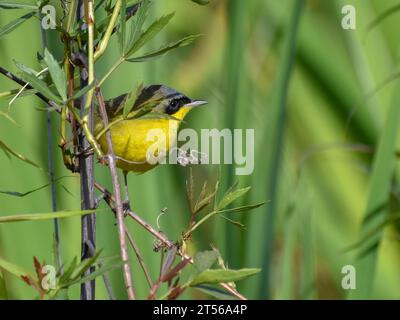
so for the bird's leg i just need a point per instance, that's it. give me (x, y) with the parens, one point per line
(126, 203)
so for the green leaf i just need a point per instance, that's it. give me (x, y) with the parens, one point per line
(150, 33)
(46, 216)
(68, 272)
(238, 224)
(138, 22)
(164, 49)
(231, 196)
(16, 5)
(223, 275)
(204, 260)
(158, 115)
(38, 84)
(10, 151)
(98, 272)
(204, 199)
(27, 69)
(243, 208)
(15, 23)
(130, 100)
(215, 292)
(23, 194)
(99, 4)
(13, 268)
(57, 74)
(108, 260)
(144, 110)
(84, 266)
(373, 232)
(8, 95)
(82, 91)
(380, 185)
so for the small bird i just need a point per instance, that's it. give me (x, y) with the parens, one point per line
(130, 136)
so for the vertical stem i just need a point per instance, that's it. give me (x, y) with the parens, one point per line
(104, 41)
(118, 200)
(274, 139)
(51, 170)
(87, 180)
(89, 13)
(234, 91)
(71, 15)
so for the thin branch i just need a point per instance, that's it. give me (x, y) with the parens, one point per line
(25, 84)
(118, 200)
(139, 257)
(130, 12)
(110, 200)
(232, 291)
(71, 15)
(89, 14)
(105, 40)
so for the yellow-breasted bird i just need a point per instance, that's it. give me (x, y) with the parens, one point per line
(130, 137)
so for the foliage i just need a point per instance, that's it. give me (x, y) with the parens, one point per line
(84, 43)
(338, 154)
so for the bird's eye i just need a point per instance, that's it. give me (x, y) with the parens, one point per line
(174, 103)
(173, 106)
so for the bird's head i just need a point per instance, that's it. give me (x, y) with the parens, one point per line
(170, 101)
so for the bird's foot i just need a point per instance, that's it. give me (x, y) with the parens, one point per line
(84, 152)
(126, 207)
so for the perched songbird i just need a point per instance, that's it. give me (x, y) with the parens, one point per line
(132, 137)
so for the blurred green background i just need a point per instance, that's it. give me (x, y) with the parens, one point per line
(316, 178)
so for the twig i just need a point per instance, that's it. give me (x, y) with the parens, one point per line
(64, 115)
(25, 84)
(139, 257)
(130, 12)
(89, 14)
(24, 87)
(232, 291)
(118, 200)
(110, 200)
(70, 19)
(104, 41)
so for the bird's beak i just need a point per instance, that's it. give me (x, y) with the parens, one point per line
(196, 103)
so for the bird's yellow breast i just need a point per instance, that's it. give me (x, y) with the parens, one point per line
(140, 143)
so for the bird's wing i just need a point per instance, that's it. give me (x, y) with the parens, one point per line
(115, 106)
